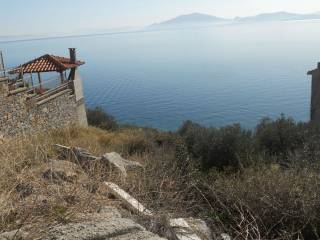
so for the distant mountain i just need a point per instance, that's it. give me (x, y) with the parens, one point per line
(279, 16)
(197, 19)
(190, 19)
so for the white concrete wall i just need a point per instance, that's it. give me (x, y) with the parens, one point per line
(78, 91)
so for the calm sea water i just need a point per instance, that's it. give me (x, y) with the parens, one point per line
(214, 76)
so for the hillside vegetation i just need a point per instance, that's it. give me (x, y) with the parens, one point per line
(261, 184)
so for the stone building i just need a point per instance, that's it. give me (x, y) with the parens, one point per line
(315, 95)
(29, 107)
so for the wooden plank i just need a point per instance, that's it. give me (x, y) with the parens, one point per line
(4, 79)
(19, 90)
(53, 97)
(52, 92)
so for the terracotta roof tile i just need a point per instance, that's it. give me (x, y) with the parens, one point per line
(47, 63)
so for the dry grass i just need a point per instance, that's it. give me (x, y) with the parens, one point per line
(264, 202)
(27, 199)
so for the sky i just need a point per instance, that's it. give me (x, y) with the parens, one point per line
(27, 17)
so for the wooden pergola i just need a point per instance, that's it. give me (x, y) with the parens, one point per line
(49, 63)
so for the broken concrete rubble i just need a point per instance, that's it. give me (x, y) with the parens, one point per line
(105, 227)
(183, 229)
(113, 159)
(13, 235)
(84, 155)
(225, 236)
(123, 165)
(200, 228)
(130, 202)
(76, 154)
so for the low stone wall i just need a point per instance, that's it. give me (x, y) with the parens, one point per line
(20, 116)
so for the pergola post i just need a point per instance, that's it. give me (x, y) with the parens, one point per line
(40, 80)
(61, 77)
(31, 77)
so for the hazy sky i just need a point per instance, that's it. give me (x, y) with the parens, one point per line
(51, 16)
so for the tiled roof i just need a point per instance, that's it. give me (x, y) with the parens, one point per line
(47, 63)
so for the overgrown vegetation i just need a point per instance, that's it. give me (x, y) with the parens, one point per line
(253, 184)
(281, 141)
(99, 118)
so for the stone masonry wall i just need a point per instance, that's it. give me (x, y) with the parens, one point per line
(20, 116)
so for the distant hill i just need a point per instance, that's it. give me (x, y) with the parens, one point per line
(279, 16)
(196, 19)
(190, 19)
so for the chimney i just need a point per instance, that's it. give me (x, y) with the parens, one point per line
(73, 56)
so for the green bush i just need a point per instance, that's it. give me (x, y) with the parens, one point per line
(218, 147)
(281, 141)
(97, 117)
(310, 154)
(280, 137)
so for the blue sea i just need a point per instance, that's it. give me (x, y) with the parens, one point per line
(215, 75)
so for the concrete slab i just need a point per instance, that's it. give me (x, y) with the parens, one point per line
(225, 236)
(107, 224)
(183, 230)
(16, 234)
(123, 165)
(106, 229)
(129, 201)
(142, 235)
(200, 227)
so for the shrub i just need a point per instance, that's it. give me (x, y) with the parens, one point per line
(164, 139)
(196, 139)
(310, 154)
(266, 203)
(181, 154)
(279, 137)
(220, 148)
(97, 117)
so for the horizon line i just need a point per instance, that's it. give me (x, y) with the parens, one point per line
(37, 36)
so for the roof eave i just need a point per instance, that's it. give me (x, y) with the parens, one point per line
(313, 71)
(40, 71)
